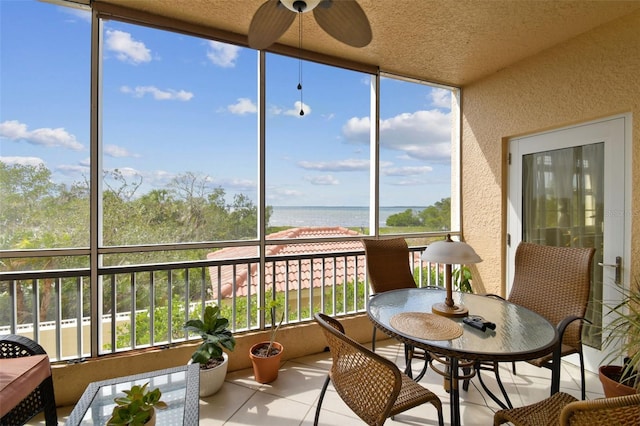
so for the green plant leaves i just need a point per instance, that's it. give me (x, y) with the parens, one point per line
(135, 408)
(215, 335)
(622, 335)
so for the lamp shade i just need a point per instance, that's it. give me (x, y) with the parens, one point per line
(450, 252)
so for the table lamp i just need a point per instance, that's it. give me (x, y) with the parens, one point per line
(450, 252)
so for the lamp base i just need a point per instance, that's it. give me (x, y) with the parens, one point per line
(455, 311)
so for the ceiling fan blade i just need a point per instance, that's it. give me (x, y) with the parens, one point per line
(345, 21)
(270, 21)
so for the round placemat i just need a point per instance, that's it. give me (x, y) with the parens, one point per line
(426, 326)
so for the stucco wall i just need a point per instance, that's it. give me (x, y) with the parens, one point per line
(593, 75)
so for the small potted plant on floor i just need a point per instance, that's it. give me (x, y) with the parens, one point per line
(622, 335)
(265, 356)
(137, 407)
(210, 354)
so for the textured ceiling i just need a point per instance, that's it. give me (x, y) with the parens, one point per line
(446, 41)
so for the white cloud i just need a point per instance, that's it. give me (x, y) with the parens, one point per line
(243, 106)
(82, 14)
(336, 166)
(73, 169)
(45, 136)
(322, 180)
(222, 54)
(357, 129)
(237, 184)
(282, 194)
(117, 151)
(407, 182)
(159, 95)
(275, 110)
(296, 109)
(157, 178)
(434, 151)
(441, 98)
(422, 135)
(23, 161)
(406, 171)
(126, 48)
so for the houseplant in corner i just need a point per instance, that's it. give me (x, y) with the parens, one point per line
(265, 356)
(137, 407)
(622, 335)
(210, 355)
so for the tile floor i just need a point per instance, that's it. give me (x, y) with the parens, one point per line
(291, 399)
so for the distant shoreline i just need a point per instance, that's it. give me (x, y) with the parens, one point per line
(347, 216)
(403, 208)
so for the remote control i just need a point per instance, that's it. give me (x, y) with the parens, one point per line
(478, 322)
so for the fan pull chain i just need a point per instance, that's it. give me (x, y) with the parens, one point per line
(300, 58)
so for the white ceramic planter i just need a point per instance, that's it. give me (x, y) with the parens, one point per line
(211, 380)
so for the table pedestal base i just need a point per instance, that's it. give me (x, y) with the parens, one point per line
(455, 311)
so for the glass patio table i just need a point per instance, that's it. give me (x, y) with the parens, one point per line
(520, 334)
(180, 388)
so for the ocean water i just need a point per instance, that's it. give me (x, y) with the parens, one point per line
(330, 216)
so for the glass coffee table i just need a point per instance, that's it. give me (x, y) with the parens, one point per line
(179, 386)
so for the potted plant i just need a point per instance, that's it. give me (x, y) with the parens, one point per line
(137, 407)
(210, 355)
(622, 335)
(462, 279)
(265, 356)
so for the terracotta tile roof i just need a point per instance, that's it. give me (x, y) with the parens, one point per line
(297, 270)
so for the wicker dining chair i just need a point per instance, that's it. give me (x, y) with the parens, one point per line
(372, 386)
(26, 385)
(554, 282)
(389, 269)
(565, 410)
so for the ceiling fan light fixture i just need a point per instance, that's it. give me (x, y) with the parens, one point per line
(302, 6)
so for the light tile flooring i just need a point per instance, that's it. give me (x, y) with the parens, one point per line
(292, 398)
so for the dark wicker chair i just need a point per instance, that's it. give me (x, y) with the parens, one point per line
(41, 398)
(565, 410)
(554, 282)
(388, 268)
(372, 386)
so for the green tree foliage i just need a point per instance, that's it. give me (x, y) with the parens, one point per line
(433, 218)
(189, 209)
(345, 298)
(36, 213)
(406, 218)
(438, 216)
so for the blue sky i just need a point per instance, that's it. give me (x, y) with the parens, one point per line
(173, 104)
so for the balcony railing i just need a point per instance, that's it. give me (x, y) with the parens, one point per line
(146, 305)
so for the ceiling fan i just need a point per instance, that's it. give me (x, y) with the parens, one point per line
(343, 20)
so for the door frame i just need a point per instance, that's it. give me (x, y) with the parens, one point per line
(514, 208)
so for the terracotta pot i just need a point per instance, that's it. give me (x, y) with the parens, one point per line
(152, 419)
(266, 369)
(609, 376)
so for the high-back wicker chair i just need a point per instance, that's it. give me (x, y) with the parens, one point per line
(555, 282)
(388, 269)
(372, 386)
(565, 410)
(388, 264)
(26, 384)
